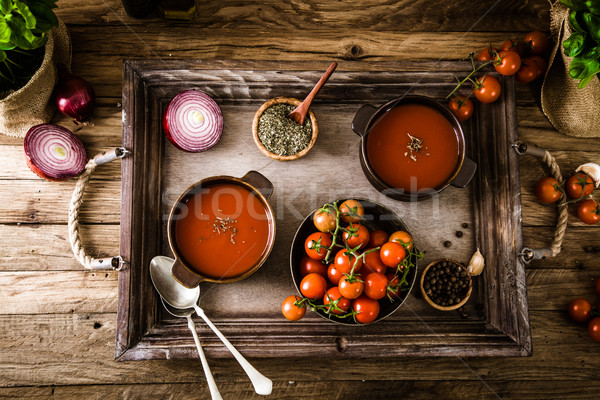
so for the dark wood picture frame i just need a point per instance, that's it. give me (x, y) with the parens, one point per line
(143, 334)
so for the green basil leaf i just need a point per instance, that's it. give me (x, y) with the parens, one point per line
(593, 6)
(582, 68)
(593, 24)
(574, 45)
(6, 6)
(583, 83)
(20, 36)
(576, 21)
(578, 5)
(5, 31)
(7, 46)
(46, 18)
(29, 18)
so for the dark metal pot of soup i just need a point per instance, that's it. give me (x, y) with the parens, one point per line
(412, 148)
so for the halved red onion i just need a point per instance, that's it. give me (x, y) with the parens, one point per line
(54, 152)
(193, 121)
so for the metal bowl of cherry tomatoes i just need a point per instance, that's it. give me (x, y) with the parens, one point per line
(353, 262)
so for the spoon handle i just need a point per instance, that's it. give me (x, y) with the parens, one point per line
(262, 384)
(212, 385)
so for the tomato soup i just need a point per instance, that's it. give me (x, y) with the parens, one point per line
(413, 147)
(222, 231)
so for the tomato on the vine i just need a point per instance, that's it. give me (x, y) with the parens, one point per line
(367, 309)
(461, 107)
(334, 296)
(393, 288)
(334, 273)
(579, 185)
(325, 220)
(588, 212)
(528, 72)
(355, 235)
(548, 190)
(392, 254)
(290, 310)
(376, 285)
(378, 238)
(594, 329)
(580, 309)
(351, 288)
(516, 45)
(372, 263)
(507, 62)
(345, 262)
(487, 89)
(351, 211)
(486, 54)
(402, 237)
(313, 286)
(536, 42)
(308, 266)
(316, 245)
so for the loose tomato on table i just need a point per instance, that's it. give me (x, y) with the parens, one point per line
(536, 43)
(366, 309)
(579, 185)
(580, 309)
(351, 211)
(486, 54)
(392, 254)
(461, 107)
(528, 72)
(336, 299)
(548, 190)
(308, 265)
(325, 220)
(372, 263)
(378, 238)
(316, 245)
(594, 329)
(507, 62)
(588, 212)
(356, 235)
(351, 287)
(487, 89)
(541, 65)
(403, 238)
(313, 286)
(290, 310)
(376, 285)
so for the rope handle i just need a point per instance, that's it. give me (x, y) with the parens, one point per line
(527, 254)
(112, 263)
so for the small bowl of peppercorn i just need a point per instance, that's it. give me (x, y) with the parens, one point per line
(279, 137)
(446, 285)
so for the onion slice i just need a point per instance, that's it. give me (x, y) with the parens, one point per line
(193, 121)
(54, 152)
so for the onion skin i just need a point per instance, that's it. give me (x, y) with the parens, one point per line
(61, 136)
(74, 96)
(181, 109)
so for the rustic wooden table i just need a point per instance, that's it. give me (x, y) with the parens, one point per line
(58, 321)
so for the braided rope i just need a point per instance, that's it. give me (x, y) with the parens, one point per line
(76, 202)
(561, 224)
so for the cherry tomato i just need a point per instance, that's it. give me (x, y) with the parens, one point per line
(355, 235)
(308, 266)
(598, 285)
(461, 107)
(403, 238)
(345, 262)
(351, 288)
(378, 238)
(367, 309)
(351, 211)
(541, 65)
(376, 285)
(516, 45)
(594, 329)
(324, 220)
(579, 185)
(588, 212)
(536, 42)
(313, 286)
(487, 89)
(334, 296)
(507, 62)
(372, 263)
(316, 245)
(393, 289)
(392, 254)
(548, 190)
(528, 72)
(335, 274)
(486, 54)
(580, 309)
(290, 310)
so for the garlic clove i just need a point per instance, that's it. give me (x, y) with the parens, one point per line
(476, 264)
(593, 170)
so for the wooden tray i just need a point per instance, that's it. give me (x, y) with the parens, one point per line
(495, 321)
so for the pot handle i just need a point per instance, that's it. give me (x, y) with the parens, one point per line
(259, 182)
(464, 176)
(183, 275)
(362, 118)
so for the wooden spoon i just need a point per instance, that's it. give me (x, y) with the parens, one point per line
(299, 113)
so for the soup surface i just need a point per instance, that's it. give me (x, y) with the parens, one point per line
(413, 147)
(222, 231)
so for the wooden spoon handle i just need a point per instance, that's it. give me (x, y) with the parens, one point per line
(302, 109)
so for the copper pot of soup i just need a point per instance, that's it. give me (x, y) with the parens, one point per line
(221, 229)
(412, 148)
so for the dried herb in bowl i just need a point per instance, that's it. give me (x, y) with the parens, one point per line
(280, 134)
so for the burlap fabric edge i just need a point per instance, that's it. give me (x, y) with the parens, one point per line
(572, 111)
(32, 104)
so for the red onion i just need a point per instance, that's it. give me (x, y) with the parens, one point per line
(54, 152)
(193, 121)
(75, 97)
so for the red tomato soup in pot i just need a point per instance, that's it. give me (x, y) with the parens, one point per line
(222, 231)
(413, 147)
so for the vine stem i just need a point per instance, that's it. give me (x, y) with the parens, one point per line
(468, 78)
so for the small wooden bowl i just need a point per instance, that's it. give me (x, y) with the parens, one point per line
(263, 149)
(431, 302)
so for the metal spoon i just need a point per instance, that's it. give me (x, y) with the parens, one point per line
(299, 113)
(179, 296)
(187, 313)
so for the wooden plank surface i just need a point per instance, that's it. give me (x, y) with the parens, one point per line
(68, 354)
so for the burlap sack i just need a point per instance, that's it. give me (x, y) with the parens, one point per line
(572, 111)
(32, 104)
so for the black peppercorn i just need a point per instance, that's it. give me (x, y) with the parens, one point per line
(446, 283)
